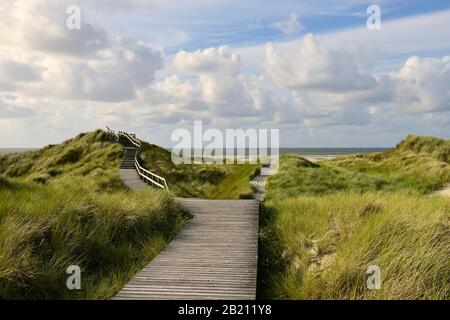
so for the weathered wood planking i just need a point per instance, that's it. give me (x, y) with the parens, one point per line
(214, 257)
(131, 179)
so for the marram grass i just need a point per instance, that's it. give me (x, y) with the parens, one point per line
(325, 223)
(44, 229)
(66, 205)
(407, 236)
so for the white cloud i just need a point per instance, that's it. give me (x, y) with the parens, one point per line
(312, 65)
(41, 26)
(388, 46)
(53, 80)
(13, 74)
(290, 26)
(420, 34)
(423, 85)
(85, 64)
(208, 61)
(222, 85)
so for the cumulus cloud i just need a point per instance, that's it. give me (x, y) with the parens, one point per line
(316, 86)
(208, 61)
(105, 79)
(332, 87)
(16, 71)
(216, 86)
(290, 26)
(223, 86)
(172, 100)
(85, 64)
(114, 75)
(423, 85)
(41, 26)
(312, 65)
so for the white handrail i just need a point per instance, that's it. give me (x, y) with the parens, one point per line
(113, 133)
(142, 172)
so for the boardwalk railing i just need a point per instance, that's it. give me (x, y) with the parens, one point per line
(146, 176)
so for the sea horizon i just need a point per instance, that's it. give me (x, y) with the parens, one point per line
(314, 151)
(302, 151)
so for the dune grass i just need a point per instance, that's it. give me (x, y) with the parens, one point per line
(91, 155)
(325, 223)
(406, 167)
(110, 235)
(325, 244)
(66, 205)
(420, 164)
(94, 155)
(208, 181)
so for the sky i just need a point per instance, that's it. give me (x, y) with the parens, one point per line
(312, 69)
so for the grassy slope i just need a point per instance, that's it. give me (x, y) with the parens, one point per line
(65, 204)
(110, 235)
(324, 224)
(200, 181)
(420, 164)
(90, 155)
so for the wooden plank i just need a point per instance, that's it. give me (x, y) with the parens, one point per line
(214, 257)
(131, 179)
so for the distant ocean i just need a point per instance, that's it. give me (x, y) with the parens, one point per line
(311, 152)
(301, 151)
(329, 151)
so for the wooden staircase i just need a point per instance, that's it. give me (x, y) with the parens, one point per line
(133, 174)
(129, 154)
(214, 257)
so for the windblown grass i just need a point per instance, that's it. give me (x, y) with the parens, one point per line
(325, 223)
(209, 181)
(66, 205)
(95, 156)
(325, 244)
(414, 169)
(92, 155)
(419, 164)
(110, 235)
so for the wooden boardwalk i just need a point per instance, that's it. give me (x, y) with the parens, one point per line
(214, 257)
(131, 179)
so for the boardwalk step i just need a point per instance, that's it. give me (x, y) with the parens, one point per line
(214, 257)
